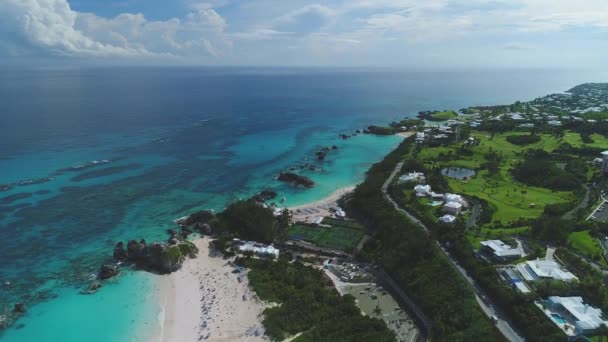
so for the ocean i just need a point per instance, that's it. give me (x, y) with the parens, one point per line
(177, 140)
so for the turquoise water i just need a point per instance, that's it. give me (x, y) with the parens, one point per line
(558, 318)
(188, 139)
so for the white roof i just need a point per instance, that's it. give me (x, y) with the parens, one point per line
(447, 218)
(422, 188)
(535, 269)
(453, 205)
(605, 153)
(587, 317)
(454, 198)
(500, 248)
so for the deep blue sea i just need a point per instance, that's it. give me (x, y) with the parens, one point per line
(180, 140)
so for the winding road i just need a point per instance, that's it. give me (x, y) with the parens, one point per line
(486, 305)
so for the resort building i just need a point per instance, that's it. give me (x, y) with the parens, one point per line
(259, 249)
(452, 208)
(543, 269)
(573, 316)
(422, 190)
(500, 250)
(412, 177)
(454, 198)
(447, 218)
(605, 162)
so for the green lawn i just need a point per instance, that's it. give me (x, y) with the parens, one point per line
(585, 243)
(512, 200)
(338, 237)
(444, 115)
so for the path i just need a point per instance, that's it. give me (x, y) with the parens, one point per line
(490, 310)
(584, 203)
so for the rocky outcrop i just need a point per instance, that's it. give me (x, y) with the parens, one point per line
(265, 195)
(159, 257)
(120, 253)
(295, 179)
(203, 216)
(321, 155)
(108, 271)
(19, 308)
(344, 136)
(334, 147)
(93, 287)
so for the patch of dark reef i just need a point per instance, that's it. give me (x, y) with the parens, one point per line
(105, 172)
(12, 198)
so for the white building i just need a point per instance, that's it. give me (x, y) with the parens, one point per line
(422, 190)
(420, 137)
(605, 162)
(500, 250)
(454, 198)
(453, 208)
(412, 177)
(572, 310)
(543, 269)
(259, 249)
(447, 218)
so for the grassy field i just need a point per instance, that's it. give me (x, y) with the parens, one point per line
(585, 243)
(343, 238)
(444, 115)
(512, 200)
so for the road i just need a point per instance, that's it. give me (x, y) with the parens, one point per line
(490, 310)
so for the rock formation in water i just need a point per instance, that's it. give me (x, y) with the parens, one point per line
(108, 271)
(295, 179)
(265, 195)
(158, 257)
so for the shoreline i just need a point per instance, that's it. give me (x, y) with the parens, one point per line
(310, 211)
(204, 300)
(183, 296)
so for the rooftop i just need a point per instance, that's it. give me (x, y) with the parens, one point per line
(536, 269)
(500, 248)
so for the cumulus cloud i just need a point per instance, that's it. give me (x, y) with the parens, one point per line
(307, 19)
(54, 26)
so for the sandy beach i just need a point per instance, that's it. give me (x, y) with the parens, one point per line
(405, 134)
(205, 301)
(318, 208)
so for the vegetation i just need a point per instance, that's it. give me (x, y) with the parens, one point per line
(309, 304)
(248, 220)
(414, 261)
(521, 140)
(538, 169)
(338, 237)
(586, 244)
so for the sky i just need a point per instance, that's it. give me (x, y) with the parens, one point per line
(390, 33)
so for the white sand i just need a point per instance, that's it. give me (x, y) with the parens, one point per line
(204, 301)
(405, 134)
(320, 207)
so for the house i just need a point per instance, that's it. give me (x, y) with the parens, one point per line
(420, 137)
(422, 190)
(453, 208)
(572, 310)
(554, 123)
(605, 162)
(259, 249)
(447, 218)
(437, 197)
(500, 250)
(535, 270)
(412, 177)
(454, 198)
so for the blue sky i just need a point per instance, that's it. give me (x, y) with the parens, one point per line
(394, 33)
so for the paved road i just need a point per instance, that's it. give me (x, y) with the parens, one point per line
(584, 203)
(486, 306)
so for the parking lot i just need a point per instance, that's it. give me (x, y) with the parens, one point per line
(369, 297)
(600, 213)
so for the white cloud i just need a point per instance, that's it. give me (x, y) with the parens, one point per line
(54, 26)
